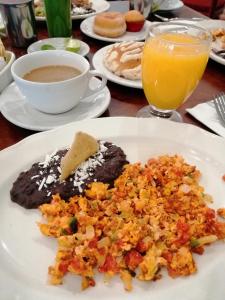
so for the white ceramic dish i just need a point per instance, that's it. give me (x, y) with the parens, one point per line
(214, 24)
(87, 28)
(98, 5)
(5, 73)
(25, 253)
(168, 5)
(59, 44)
(98, 64)
(17, 110)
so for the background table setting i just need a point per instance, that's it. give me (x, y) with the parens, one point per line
(106, 105)
(125, 101)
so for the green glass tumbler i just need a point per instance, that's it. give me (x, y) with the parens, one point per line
(58, 17)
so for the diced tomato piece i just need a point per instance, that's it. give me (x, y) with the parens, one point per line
(220, 229)
(182, 226)
(91, 282)
(133, 259)
(142, 246)
(168, 256)
(101, 251)
(183, 233)
(119, 244)
(63, 266)
(110, 265)
(76, 265)
(198, 250)
(210, 213)
(223, 177)
(93, 243)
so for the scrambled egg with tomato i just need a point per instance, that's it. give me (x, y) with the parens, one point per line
(156, 216)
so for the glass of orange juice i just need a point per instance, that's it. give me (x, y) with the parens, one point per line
(174, 59)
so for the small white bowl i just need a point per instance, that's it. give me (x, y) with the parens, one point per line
(5, 73)
(59, 44)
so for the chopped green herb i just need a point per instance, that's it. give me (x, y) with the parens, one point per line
(64, 231)
(73, 225)
(194, 243)
(47, 47)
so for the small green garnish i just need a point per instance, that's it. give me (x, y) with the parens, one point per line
(194, 243)
(63, 232)
(47, 47)
(72, 45)
(73, 225)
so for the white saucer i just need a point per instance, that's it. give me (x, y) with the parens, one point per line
(15, 109)
(171, 5)
(59, 44)
(87, 28)
(97, 62)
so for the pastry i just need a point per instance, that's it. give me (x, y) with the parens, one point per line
(134, 20)
(109, 24)
(124, 59)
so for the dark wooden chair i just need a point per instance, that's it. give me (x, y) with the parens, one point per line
(211, 8)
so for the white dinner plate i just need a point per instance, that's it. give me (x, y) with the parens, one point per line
(17, 110)
(168, 5)
(59, 44)
(214, 24)
(87, 28)
(98, 5)
(98, 64)
(25, 253)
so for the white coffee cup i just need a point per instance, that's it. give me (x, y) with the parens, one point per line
(55, 97)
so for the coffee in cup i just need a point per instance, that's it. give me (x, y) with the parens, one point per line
(55, 95)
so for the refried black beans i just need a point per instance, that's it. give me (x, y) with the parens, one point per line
(37, 185)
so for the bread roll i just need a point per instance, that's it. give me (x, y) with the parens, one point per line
(109, 24)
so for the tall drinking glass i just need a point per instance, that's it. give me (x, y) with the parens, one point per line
(58, 16)
(174, 59)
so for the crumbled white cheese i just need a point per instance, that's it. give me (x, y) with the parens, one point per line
(84, 170)
(35, 176)
(50, 179)
(42, 183)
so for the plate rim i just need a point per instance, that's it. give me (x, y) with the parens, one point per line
(81, 17)
(121, 81)
(89, 20)
(107, 100)
(169, 124)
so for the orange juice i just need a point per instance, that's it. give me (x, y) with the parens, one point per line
(172, 65)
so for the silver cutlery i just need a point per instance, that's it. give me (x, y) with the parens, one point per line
(165, 19)
(219, 102)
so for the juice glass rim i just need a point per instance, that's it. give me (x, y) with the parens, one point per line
(207, 36)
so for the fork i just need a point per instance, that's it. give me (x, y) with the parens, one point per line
(219, 102)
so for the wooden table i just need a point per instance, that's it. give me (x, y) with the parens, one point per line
(125, 101)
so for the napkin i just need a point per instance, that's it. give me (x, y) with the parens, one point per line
(206, 114)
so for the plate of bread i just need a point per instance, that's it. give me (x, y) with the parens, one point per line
(116, 27)
(121, 63)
